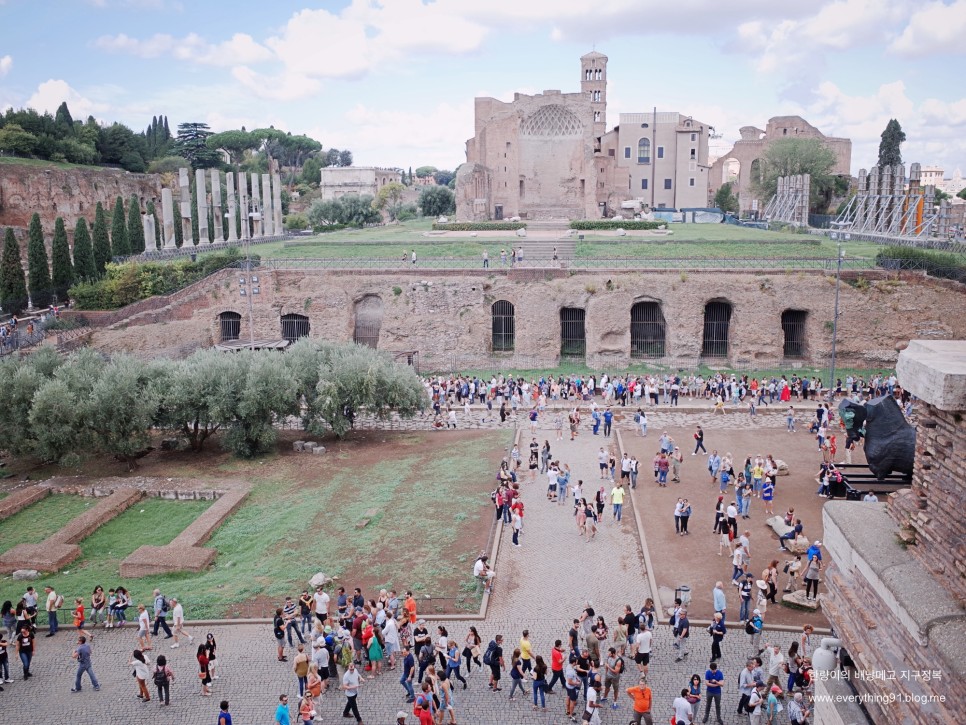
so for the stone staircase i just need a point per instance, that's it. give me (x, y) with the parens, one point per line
(543, 237)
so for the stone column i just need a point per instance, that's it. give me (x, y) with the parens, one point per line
(246, 220)
(256, 208)
(277, 201)
(167, 216)
(202, 194)
(268, 218)
(216, 204)
(232, 209)
(147, 223)
(185, 188)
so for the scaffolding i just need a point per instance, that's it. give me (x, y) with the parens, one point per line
(790, 202)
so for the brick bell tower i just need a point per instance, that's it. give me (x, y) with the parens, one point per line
(593, 82)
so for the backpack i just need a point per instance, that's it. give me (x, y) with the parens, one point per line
(488, 655)
(164, 604)
(160, 676)
(750, 628)
(58, 602)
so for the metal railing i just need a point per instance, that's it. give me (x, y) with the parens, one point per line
(188, 250)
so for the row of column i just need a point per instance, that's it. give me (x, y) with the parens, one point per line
(261, 212)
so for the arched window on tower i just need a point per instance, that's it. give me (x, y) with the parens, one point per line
(644, 151)
(587, 74)
(596, 116)
(600, 74)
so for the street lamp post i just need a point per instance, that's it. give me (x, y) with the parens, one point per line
(835, 322)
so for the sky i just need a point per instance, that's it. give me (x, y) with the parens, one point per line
(394, 80)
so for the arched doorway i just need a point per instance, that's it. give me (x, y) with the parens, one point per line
(295, 326)
(503, 315)
(647, 330)
(573, 335)
(793, 331)
(368, 313)
(717, 327)
(229, 326)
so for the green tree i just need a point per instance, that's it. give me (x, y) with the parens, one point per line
(120, 244)
(436, 201)
(21, 380)
(311, 172)
(84, 267)
(16, 141)
(13, 283)
(791, 156)
(121, 409)
(423, 171)
(890, 151)
(102, 242)
(940, 196)
(235, 143)
(62, 271)
(135, 227)
(38, 266)
(389, 199)
(267, 394)
(961, 194)
(443, 177)
(192, 144)
(725, 199)
(359, 211)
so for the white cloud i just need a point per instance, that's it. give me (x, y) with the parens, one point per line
(284, 87)
(935, 28)
(240, 49)
(6, 63)
(50, 94)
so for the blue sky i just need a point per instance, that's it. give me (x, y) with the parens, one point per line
(394, 80)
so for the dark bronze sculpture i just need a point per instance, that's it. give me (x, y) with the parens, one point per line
(890, 442)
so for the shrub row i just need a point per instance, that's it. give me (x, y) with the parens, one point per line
(935, 264)
(479, 226)
(586, 225)
(128, 282)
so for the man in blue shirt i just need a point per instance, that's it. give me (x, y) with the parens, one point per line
(224, 717)
(281, 712)
(713, 679)
(608, 419)
(408, 668)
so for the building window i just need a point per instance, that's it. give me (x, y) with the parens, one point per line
(647, 330)
(693, 151)
(369, 311)
(229, 324)
(643, 183)
(573, 338)
(627, 152)
(691, 181)
(294, 327)
(610, 152)
(717, 323)
(660, 152)
(667, 183)
(503, 325)
(694, 137)
(644, 151)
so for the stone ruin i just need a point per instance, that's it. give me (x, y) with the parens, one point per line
(261, 207)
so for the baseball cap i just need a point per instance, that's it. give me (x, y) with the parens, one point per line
(757, 611)
(400, 714)
(817, 543)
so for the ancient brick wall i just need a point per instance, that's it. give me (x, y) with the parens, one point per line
(447, 316)
(70, 193)
(931, 512)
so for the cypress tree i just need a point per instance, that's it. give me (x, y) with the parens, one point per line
(135, 227)
(62, 271)
(13, 284)
(102, 242)
(84, 267)
(38, 266)
(157, 227)
(119, 238)
(890, 153)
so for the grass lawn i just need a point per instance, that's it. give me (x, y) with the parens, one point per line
(35, 523)
(426, 496)
(17, 161)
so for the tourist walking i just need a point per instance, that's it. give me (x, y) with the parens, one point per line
(177, 624)
(640, 694)
(160, 614)
(713, 681)
(163, 677)
(144, 628)
(351, 682)
(141, 674)
(82, 653)
(699, 441)
(204, 674)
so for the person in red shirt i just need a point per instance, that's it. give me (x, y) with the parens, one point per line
(556, 666)
(409, 606)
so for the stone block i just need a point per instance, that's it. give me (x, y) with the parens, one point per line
(45, 556)
(19, 500)
(25, 574)
(320, 580)
(797, 600)
(308, 447)
(782, 467)
(298, 446)
(169, 495)
(319, 450)
(935, 371)
(187, 495)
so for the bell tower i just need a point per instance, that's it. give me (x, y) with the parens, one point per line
(593, 82)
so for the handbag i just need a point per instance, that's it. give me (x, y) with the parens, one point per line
(475, 650)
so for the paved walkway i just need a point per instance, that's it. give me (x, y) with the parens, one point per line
(541, 585)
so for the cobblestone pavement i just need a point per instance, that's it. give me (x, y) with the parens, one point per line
(541, 586)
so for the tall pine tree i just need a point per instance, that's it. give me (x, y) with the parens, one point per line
(102, 242)
(62, 271)
(890, 153)
(84, 267)
(135, 227)
(38, 266)
(13, 284)
(119, 239)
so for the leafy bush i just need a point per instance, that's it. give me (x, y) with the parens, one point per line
(129, 282)
(935, 264)
(296, 222)
(407, 213)
(479, 226)
(588, 225)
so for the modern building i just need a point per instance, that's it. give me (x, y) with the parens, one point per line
(748, 151)
(550, 156)
(339, 181)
